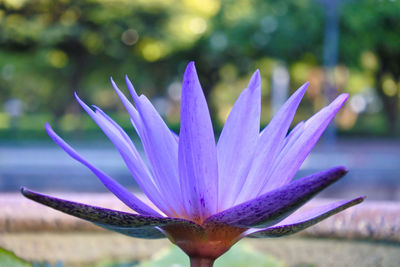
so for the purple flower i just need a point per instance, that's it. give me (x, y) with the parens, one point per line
(210, 195)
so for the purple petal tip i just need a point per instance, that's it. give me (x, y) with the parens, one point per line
(359, 199)
(76, 96)
(190, 69)
(255, 80)
(341, 170)
(113, 83)
(48, 128)
(257, 74)
(131, 89)
(344, 169)
(305, 86)
(25, 191)
(340, 99)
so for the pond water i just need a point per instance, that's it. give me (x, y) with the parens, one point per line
(374, 167)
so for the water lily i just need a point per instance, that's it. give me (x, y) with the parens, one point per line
(206, 195)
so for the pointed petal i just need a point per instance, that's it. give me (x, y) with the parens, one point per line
(176, 137)
(198, 168)
(131, 89)
(119, 191)
(293, 156)
(268, 147)
(274, 206)
(135, 118)
(160, 146)
(288, 144)
(237, 142)
(293, 135)
(128, 152)
(118, 128)
(114, 220)
(131, 158)
(161, 150)
(146, 233)
(297, 222)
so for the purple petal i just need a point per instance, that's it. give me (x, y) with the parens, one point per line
(269, 144)
(293, 156)
(237, 142)
(160, 146)
(289, 142)
(135, 118)
(114, 220)
(118, 128)
(131, 89)
(293, 135)
(119, 191)
(147, 233)
(274, 206)
(198, 168)
(302, 220)
(162, 152)
(131, 158)
(176, 137)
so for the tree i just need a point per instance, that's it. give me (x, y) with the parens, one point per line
(375, 26)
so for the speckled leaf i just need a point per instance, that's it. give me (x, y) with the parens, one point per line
(123, 222)
(303, 220)
(276, 205)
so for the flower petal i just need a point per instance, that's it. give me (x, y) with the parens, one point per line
(152, 131)
(274, 206)
(197, 154)
(114, 220)
(119, 191)
(293, 135)
(118, 129)
(135, 118)
(237, 142)
(131, 158)
(293, 156)
(161, 149)
(297, 222)
(269, 144)
(146, 233)
(290, 140)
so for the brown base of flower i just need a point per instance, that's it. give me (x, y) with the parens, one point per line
(201, 262)
(205, 243)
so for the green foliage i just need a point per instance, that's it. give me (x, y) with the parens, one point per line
(116, 264)
(9, 259)
(51, 48)
(241, 255)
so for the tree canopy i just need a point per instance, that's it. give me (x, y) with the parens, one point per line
(49, 49)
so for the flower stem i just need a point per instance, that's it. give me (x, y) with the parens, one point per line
(201, 262)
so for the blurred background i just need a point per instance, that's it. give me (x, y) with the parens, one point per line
(49, 49)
